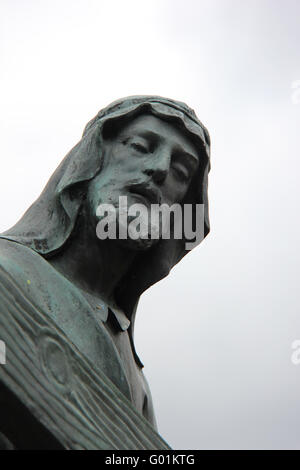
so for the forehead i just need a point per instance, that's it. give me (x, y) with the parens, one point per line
(153, 127)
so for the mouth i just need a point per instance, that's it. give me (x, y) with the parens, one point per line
(151, 194)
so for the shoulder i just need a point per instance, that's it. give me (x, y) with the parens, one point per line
(19, 262)
(15, 273)
(26, 275)
(34, 296)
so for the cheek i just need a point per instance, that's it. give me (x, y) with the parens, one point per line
(126, 164)
(173, 190)
(99, 190)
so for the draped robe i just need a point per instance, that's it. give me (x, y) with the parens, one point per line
(65, 384)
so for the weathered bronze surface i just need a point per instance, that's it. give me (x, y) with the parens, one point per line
(72, 378)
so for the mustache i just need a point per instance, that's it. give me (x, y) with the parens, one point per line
(146, 190)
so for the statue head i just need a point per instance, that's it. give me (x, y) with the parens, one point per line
(151, 149)
(151, 164)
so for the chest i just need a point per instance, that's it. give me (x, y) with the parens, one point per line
(134, 374)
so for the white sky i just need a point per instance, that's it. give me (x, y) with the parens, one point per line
(215, 336)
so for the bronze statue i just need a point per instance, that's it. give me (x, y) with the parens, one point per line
(72, 377)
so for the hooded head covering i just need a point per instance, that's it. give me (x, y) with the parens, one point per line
(50, 220)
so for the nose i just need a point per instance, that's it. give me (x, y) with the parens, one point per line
(158, 174)
(159, 168)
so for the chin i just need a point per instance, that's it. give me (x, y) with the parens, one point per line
(138, 239)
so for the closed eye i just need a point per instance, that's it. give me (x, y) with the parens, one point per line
(137, 144)
(181, 173)
(184, 165)
(139, 147)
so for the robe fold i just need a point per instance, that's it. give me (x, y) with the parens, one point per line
(63, 375)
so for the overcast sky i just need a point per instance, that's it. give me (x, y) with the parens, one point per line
(215, 336)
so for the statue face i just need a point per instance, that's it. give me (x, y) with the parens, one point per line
(150, 161)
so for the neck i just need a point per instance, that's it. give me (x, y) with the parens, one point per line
(94, 265)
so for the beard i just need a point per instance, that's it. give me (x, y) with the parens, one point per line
(130, 225)
(128, 218)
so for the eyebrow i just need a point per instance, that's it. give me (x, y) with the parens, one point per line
(149, 135)
(157, 138)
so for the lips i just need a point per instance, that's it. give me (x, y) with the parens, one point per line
(149, 193)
